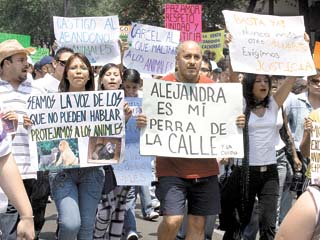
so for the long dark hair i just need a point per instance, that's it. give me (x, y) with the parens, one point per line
(103, 71)
(247, 88)
(65, 84)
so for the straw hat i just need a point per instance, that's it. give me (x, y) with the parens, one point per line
(11, 47)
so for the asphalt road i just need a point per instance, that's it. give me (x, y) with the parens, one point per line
(147, 230)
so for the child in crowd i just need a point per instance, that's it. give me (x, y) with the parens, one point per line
(112, 207)
(131, 85)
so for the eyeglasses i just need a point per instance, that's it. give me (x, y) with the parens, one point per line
(315, 82)
(204, 70)
(62, 62)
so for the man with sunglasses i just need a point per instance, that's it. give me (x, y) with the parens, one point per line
(314, 116)
(298, 109)
(50, 82)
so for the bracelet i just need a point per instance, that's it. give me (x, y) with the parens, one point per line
(26, 217)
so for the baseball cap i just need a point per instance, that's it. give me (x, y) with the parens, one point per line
(45, 60)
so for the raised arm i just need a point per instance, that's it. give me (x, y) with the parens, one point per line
(284, 90)
(305, 143)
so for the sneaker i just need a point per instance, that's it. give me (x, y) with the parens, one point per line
(155, 204)
(132, 236)
(151, 216)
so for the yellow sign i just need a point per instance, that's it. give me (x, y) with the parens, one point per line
(213, 41)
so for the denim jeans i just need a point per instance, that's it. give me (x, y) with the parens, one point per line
(285, 178)
(76, 193)
(8, 223)
(37, 191)
(146, 206)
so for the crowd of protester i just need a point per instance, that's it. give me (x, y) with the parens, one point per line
(253, 194)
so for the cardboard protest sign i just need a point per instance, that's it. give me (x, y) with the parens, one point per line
(187, 18)
(316, 55)
(152, 50)
(266, 44)
(213, 41)
(40, 53)
(135, 169)
(191, 120)
(95, 37)
(124, 32)
(315, 153)
(24, 40)
(79, 129)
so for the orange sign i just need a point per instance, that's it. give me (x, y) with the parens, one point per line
(316, 55)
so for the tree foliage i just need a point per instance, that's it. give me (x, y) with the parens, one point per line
(34, 17)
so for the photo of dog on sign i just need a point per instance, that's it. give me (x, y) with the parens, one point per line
(104, 150)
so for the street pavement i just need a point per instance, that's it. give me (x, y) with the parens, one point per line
(147, 230)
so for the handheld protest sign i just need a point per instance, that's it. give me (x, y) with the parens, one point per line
(152, 50)
(89, 126)
(191, 120)
(272, 45)
(95, 37)
(135, 170)
(187, 18)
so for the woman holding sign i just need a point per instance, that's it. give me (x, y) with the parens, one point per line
(77, 191)
(112, 207)
(257, 174)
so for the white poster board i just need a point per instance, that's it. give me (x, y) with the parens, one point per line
(315, 153)
(135, 170)
(78, 129)
(191, 120)
(95, 37)
(265, 44)
(152, 50)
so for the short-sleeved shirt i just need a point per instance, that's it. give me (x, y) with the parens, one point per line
(263, 132)
(186, 167)
(16, 99)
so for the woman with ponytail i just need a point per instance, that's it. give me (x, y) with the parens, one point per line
(256, 175)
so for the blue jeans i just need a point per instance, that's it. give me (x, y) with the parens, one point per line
(76, 193)
(285, 178)
(146, 206)
(8, 223)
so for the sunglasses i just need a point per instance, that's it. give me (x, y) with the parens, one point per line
(62, 63)
(315, 82)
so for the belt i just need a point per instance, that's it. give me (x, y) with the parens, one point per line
(280, 151)
(263, 168)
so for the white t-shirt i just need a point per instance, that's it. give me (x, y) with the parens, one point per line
(48, 82)
(263, 135)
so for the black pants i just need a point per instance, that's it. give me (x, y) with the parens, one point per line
(263, 184)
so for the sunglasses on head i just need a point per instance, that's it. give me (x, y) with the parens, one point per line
(62, 63)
